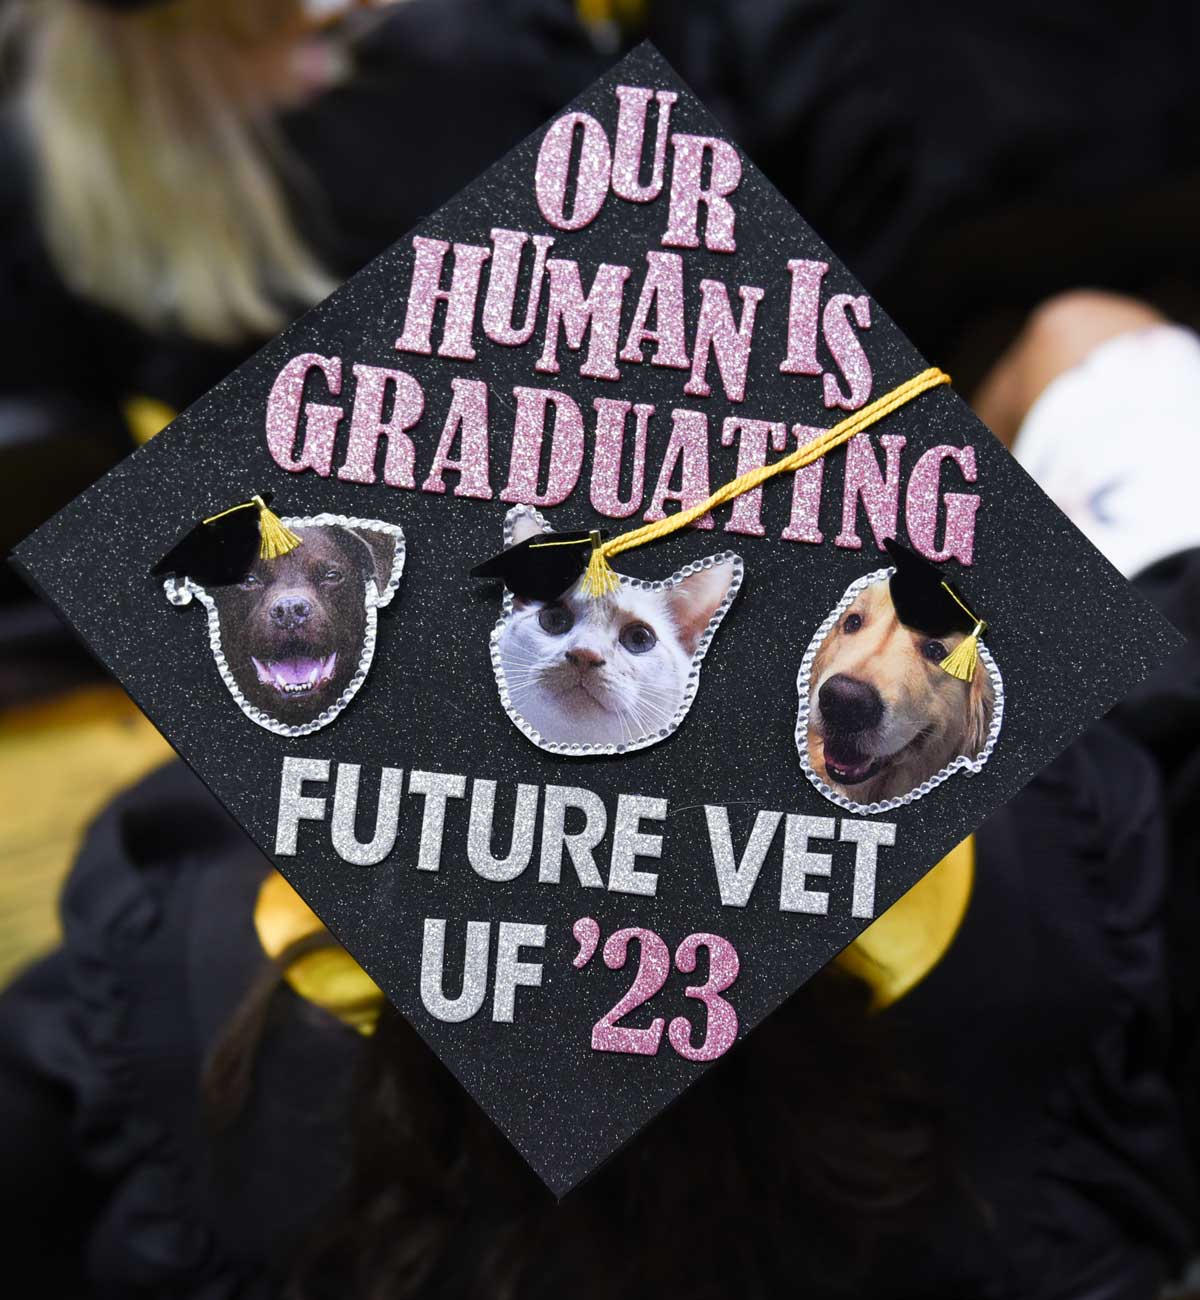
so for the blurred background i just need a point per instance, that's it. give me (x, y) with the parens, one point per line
(178, 179)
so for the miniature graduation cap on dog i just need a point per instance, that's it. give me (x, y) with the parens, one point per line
(221, 549)
(924, 600)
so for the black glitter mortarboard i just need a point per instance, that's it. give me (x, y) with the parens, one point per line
(222, 549)
(541, 567)
(925, 601)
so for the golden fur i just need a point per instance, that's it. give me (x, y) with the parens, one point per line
(929, 717)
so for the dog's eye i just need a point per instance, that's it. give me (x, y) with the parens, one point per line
(853, 623)
(934, 651)
(331, 575)
(248, 581)
(556, 619)
(637, 638)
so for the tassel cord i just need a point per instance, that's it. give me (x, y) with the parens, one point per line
(600, 580)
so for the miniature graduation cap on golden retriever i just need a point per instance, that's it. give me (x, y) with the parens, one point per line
(926, 602)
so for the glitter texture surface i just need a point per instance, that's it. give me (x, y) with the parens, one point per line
(700, 832)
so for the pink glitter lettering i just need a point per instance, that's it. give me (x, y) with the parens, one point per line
(566, 448)
(320, 421)
(367, 426)
(880, 493)
(426, 292)
(688, 449)
(608, 458)
(847, 351)
(631, 141)
(501, 298)
(662, 293)
(599, 312)
(803, 315)
(467, 419)
(804, 525)
(921, 503)
(687, 194)
(729, 342)
(752, 439)
(554, 165)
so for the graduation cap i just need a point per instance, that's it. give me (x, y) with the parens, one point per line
(925, 601)
(519, 970)
(222, 549)
(542, 567)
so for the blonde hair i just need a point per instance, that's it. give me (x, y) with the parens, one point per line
(159, 169)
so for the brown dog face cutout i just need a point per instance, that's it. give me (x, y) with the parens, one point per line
(879, 723)
(293, 641)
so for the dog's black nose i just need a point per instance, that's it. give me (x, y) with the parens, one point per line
(289, 612)
(850, 705)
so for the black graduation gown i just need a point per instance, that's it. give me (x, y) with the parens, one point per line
(1045, 1029)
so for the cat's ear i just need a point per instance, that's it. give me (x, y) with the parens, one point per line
(695, 599)
(524, 525)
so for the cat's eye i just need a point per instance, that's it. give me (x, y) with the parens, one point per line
(853, 623)
(637, 638)
(934, 651)
(556, 619)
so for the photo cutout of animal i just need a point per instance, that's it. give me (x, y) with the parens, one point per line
(583, 675)
(293, 640)
(880, 721)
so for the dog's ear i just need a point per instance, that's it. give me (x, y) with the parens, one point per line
(380, 551)
(981, 700)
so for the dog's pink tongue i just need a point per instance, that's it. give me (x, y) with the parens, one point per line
(295, 672)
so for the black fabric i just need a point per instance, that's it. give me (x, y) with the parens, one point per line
(1045, 1031)
(889, 126)
(1164, 716)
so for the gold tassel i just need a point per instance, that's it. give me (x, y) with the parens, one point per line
(599, 579)
(275, 538)
(961, 661)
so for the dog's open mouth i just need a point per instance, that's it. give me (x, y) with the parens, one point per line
(299, 676)
(847, 765)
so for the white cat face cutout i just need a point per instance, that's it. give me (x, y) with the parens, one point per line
(582, 676)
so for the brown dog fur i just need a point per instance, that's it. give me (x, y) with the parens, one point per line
(328, 572)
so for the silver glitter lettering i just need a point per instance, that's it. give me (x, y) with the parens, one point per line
(799, 862)
(867, 837)
(510, 970)
(736, 880)
(630, 843)
(579, 844)
(437, 787)
(294, 805)
(479, 833)
(475, 971)
(345, 811)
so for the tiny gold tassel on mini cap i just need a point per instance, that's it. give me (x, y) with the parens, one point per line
(275, 538)
(961, 661)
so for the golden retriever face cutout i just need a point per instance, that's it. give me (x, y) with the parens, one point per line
(880, 724)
